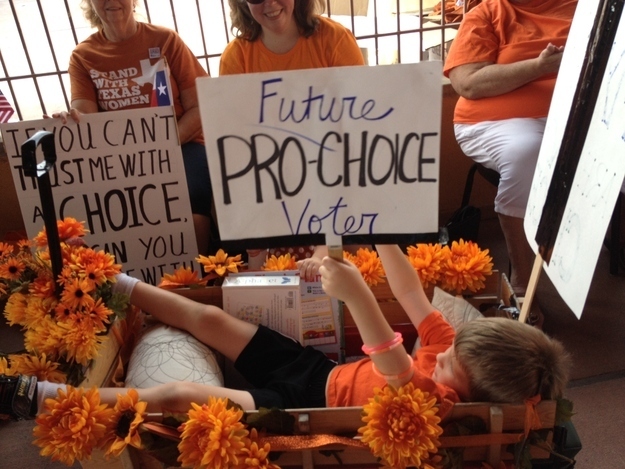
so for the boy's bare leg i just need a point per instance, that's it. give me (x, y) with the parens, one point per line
(209, 324)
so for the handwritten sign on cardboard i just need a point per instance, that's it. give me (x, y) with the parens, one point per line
(122, 174)
(346, 151)
(601, 166)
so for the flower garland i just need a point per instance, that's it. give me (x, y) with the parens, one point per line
(463, 266)
(456, 268)
(64, 328)
(401, 429)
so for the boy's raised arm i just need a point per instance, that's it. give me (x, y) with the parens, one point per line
(343, 280)
(405, 283)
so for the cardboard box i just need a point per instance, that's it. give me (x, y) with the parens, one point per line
(271, 300)
(320, 316)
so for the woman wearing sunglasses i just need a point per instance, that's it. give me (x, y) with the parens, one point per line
(275, 35)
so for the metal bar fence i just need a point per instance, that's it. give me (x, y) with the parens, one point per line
(36, 40)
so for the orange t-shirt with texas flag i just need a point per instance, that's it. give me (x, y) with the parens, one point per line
(352, 384)
(503, 32)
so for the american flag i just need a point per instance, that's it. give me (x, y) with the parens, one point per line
(6, 111)
(161, 89)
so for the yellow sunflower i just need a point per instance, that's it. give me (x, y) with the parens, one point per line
(124, 425)
(466, 267)
(284, 262)
(401, 426)
(426, 259)
(213, 436)
(72, 425)
(220, 263)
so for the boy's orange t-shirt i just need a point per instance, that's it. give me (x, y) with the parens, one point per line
(352, 384)
(500, 32)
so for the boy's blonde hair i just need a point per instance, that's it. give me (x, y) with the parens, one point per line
(508, 361)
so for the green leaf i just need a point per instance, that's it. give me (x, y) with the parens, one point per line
(564, 411)
(273, 420)
(163, 449)
(452, 458)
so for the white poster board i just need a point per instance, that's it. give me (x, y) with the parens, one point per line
(601, 168)
(121, 173)
(337, 151)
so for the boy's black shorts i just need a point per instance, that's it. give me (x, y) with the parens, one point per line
(285, 374)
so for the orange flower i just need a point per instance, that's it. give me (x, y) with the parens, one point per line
(123, 428)
(220, 263)
(46, 337)
(15, 309)
(68, 228)
(12, 269)
(254, 456)
(213, 436)
(466, 267)
(5, 368)
(426, 259)
(5, 250)
(182, 277)
(99, 266)
(401, 426)
(284, 262)
(42, 286)
(368, 264)
(41, 367)
(72, 425)
(80, 342)
(76, 294)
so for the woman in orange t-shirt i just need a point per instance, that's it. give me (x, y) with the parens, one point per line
(503, 63)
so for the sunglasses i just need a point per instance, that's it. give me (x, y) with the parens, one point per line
(255, 2)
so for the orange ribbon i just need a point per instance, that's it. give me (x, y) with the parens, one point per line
(532, 419)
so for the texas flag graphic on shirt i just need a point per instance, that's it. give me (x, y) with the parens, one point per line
(161, 89)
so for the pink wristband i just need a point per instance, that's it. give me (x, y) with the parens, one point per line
(384, 347)
(398, 377)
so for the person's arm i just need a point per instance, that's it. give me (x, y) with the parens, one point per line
(309, 267)
(486, 79)
(342, 280)
(405, 283)
(189, 124)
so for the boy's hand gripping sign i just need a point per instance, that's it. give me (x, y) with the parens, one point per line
(347, 151)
